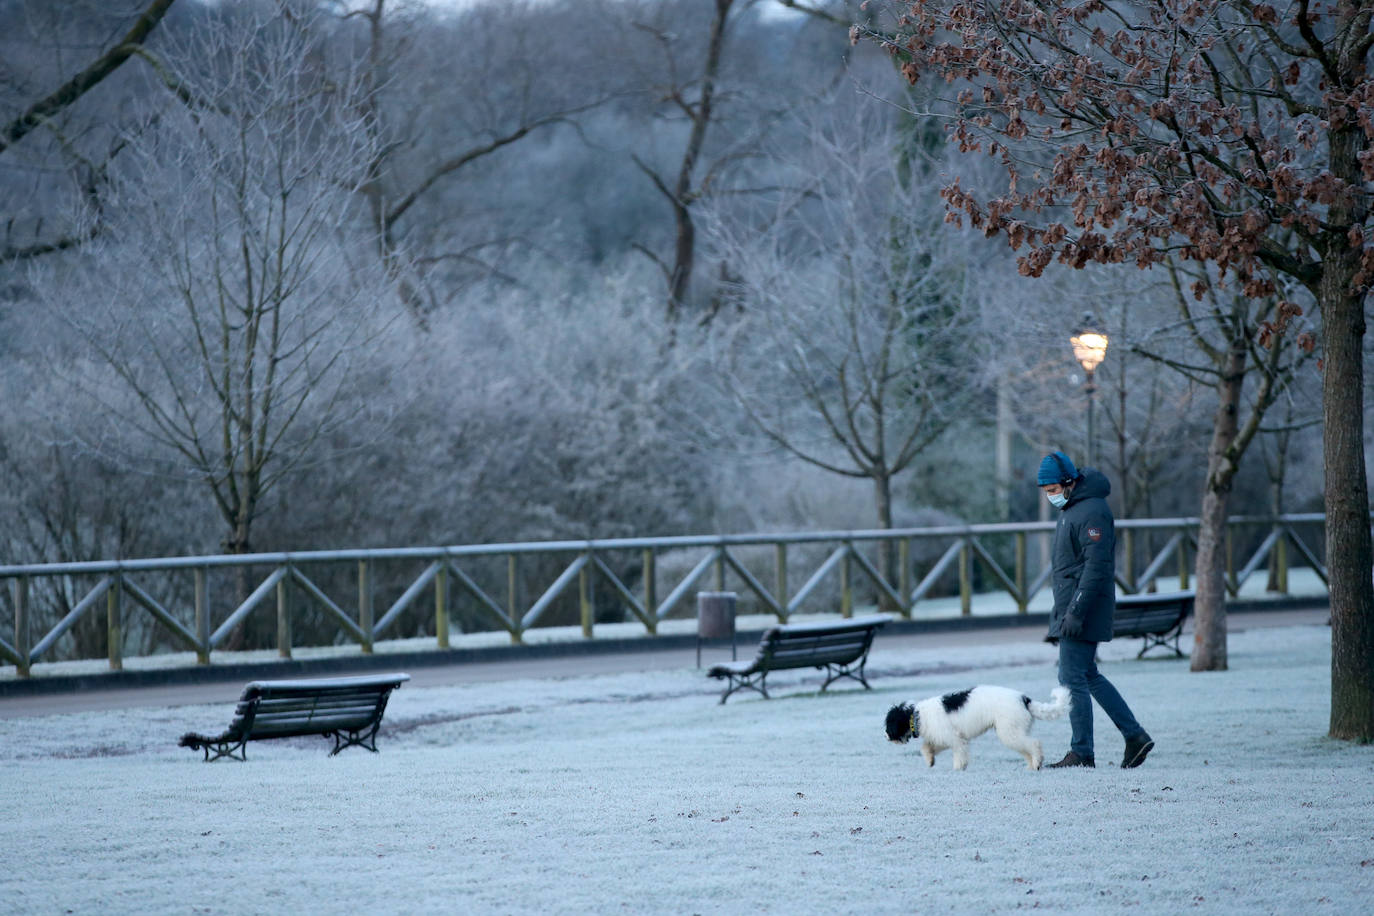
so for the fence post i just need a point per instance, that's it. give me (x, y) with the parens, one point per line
(904, 575)
(1231, 585)
(284, 615)
(1183, 558)
(720, 569)
(651, 589)
(846, 593)
(1281, 561)
(1022, 599)
(114, 625)
(584, 597)
(1128, 547)
(965, 580)
(365, 605)
(780, 569)
(20, 589)
(513, 595)
(441, 604)
(202, 615)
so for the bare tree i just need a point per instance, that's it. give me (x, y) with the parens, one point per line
(1221, 331)
(681, 190)
(232, 303)
(1279, 442)
(1227, 132)
(848, 348)
(717, 124)
(443, 95)
(1147, 410)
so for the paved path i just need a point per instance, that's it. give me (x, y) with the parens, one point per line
(575, 666)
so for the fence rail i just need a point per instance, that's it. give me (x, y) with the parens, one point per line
(962, 551)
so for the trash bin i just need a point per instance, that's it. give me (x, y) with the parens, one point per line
(716, 618)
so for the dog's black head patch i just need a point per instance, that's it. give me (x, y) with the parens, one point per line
(953, 701)
(901, 723)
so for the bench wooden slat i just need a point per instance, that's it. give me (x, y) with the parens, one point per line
(318, 725)
(301, 729)
(351, 700)
(306, 703)
(1138, 619)
(349, 694)
(788, 651)
(807, 657)
(824, 639)
(351, 714)
(781, 647)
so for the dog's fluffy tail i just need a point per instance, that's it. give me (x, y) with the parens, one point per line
(1058, 705)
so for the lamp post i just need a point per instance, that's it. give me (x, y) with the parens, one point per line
(1089, 348)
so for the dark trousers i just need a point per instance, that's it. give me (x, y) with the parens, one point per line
(1078, 672)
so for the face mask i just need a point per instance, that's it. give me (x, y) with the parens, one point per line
(1058, 500)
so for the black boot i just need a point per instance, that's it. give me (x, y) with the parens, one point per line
(1136, 750)
(1073, 760)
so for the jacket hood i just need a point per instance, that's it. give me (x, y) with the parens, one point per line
(1093, 484)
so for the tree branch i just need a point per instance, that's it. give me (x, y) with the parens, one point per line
(84, 81)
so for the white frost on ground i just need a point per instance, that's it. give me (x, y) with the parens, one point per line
(638, 793)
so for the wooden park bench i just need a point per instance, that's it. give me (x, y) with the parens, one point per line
(840, 648)
(347, 709)
(1156, 618)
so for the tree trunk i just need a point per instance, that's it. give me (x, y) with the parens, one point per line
(1209, 608)
(684, 259)
(1348, 548)
(1348, 551)
(238, 544)
(1276, 478)
(887, 550)
(684, 247)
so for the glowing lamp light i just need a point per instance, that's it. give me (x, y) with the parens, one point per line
(1089, 348)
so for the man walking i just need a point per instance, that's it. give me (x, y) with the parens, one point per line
(1084, 578)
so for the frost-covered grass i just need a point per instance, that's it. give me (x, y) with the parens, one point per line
(639, 793)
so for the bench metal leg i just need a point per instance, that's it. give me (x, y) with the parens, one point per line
(342, 740)
(750, 681)
(836, 672)
(1168, 641)
(225, 749)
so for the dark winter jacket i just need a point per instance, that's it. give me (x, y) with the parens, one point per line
(1084, 562)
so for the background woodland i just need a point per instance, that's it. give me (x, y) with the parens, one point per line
(314, 275)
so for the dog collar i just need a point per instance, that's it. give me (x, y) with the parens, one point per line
(911, 724)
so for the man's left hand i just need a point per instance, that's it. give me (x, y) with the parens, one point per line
(1072, 627)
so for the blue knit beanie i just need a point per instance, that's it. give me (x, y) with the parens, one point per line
(1055, 468)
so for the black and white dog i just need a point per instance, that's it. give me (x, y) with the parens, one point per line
(957, 718)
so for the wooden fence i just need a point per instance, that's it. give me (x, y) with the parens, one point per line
(847, 563)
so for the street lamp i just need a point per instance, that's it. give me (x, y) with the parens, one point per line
(1089, 348)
